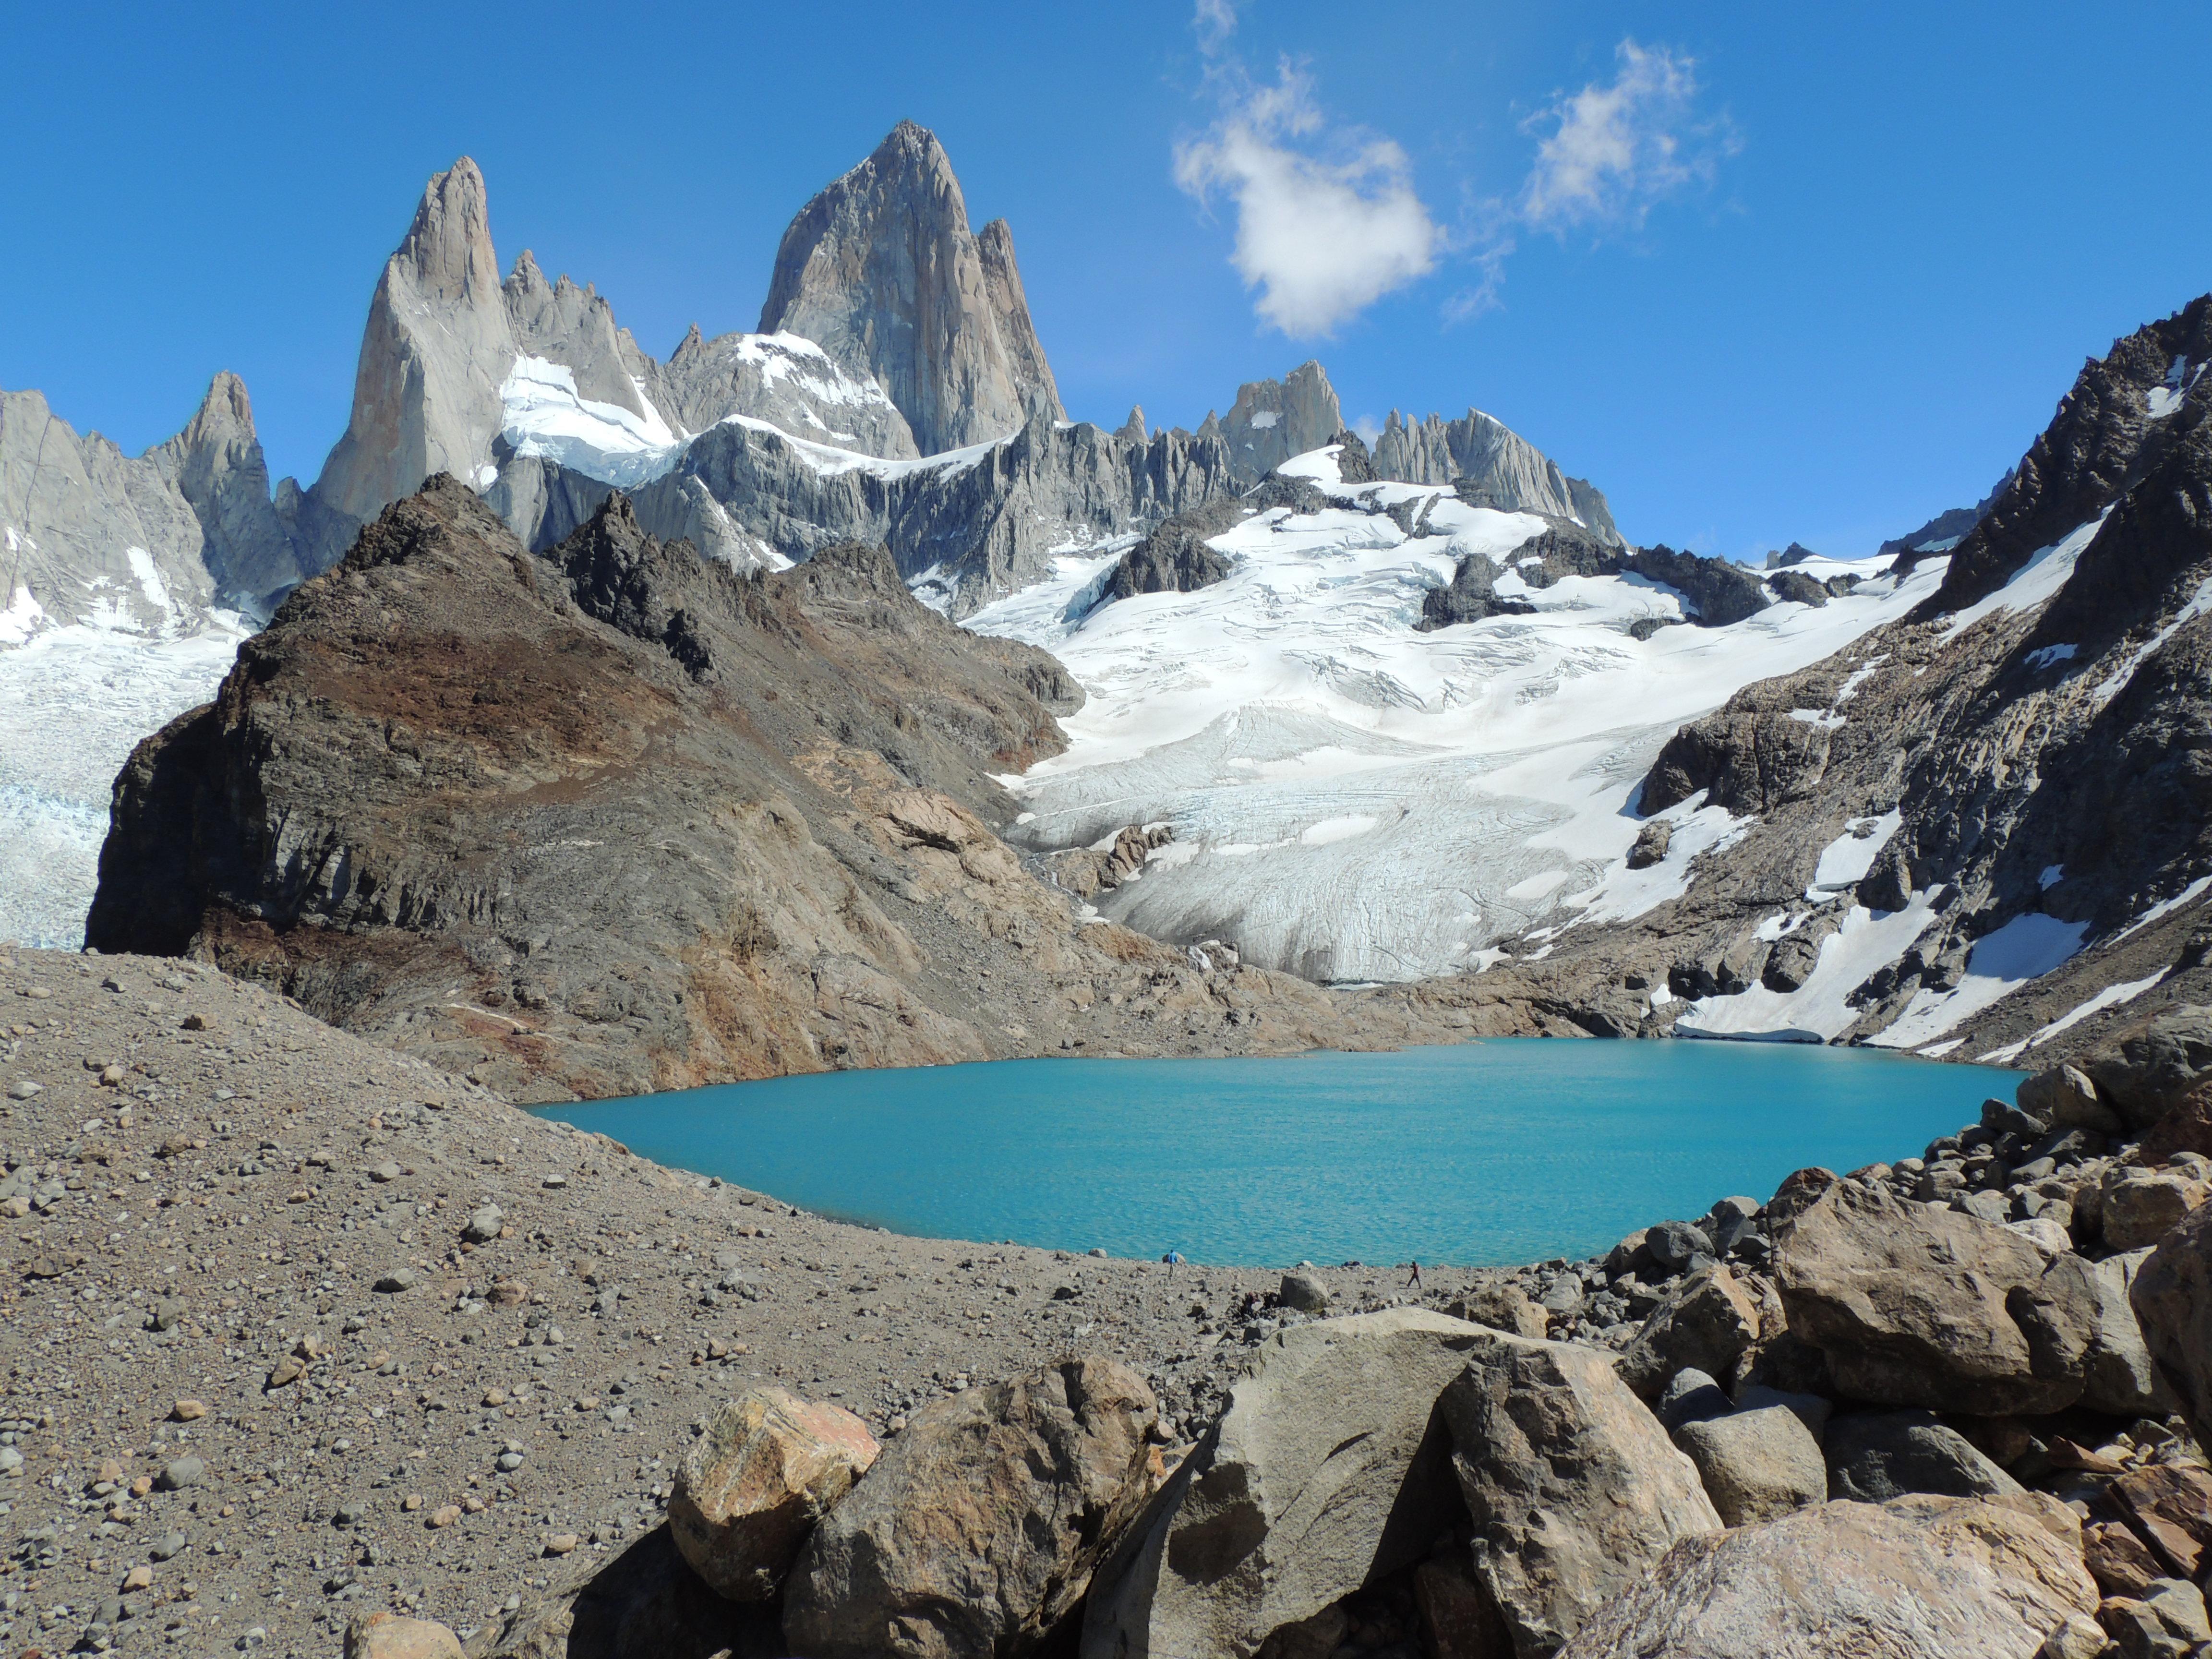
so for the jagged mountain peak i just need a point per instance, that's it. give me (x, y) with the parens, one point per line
(882, 271)
(448, 247)
(2123, 413)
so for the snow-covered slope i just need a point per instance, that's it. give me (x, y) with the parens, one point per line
(74, 703)
(1357, 800)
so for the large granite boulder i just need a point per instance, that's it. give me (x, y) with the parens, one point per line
(1873, 1456)
(1328, 1470)
(1756, 1465)
(751, 1487)
(2149, 1069)
(1705, 1325)
(976, 1531)
(2173, 1298)
(2120, 1377)
(2138, 1206)
(1938, 1578)
(1574, 1490)
(1917, 1306)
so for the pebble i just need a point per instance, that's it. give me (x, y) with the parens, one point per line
(182, 1472)
(445, 1515)
(398, 1279)
(562, 1543)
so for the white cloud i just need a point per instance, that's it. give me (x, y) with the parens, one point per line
(1614, 150)
(1322, 236)
(1215, 21)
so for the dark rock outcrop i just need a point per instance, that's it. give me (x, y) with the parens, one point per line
(1471, 595)
(1173, 558)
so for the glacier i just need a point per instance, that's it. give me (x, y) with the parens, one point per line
(1360, 802)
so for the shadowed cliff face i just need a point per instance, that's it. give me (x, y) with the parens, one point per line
(616, 819)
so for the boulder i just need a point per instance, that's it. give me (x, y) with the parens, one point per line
(976, 1531)
(1675, 1244)
(1950, 1578)
(2149, 1069)
(1328, 1471)
(1756, 1465)
(2167, 1622)
(1873, 1456)
(2169, 1506)
(2063, 1098)
(2120, 1562)
(1691, 1396)
(1797, 1193)
(1919, 1306)
(387, 1636)
(1503, 1308)
(2187, 1128)
(1704, 1325)
(1573, 1488)
(2172, 1295)
(2120, 1377)
(2138, 1206)
(1304, 1292)
(751, 1487)
(1813, 1410)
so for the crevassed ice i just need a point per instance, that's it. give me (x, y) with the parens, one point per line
(1297, 695)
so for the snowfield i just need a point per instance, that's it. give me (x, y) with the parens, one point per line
(74, 703)
(1358, 801)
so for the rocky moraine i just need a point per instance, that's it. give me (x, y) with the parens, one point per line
(307, 1342)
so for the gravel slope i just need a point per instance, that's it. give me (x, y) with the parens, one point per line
(206, 1215)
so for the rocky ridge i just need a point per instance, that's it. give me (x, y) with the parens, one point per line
(148, 543)
(2006, 779)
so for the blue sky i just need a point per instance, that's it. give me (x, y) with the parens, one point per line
(1760, 272)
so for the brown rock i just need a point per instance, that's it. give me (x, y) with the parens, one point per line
(2118, 1560)
(977, 1529)
(1797, 1193)
(2065, 1099)
(1917, 1306)
(1573, 1488)
(2187, 1128)
(1945, 1578)
(1503, 1308)
(2170, 1506)
(2173, 1299)
(2139, 1207)
(2150, 1068)
(387, 1636)
(751, 1489)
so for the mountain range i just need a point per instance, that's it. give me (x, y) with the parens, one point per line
(1380, 741)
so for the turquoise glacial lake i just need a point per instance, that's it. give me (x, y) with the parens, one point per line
(1504, 1150)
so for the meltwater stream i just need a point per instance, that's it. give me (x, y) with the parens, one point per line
(1504, 1150)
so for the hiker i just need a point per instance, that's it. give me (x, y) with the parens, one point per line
(1414, 1283)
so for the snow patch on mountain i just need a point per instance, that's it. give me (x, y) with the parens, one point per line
(74, 703)
(1296, 695)
(544, 414)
